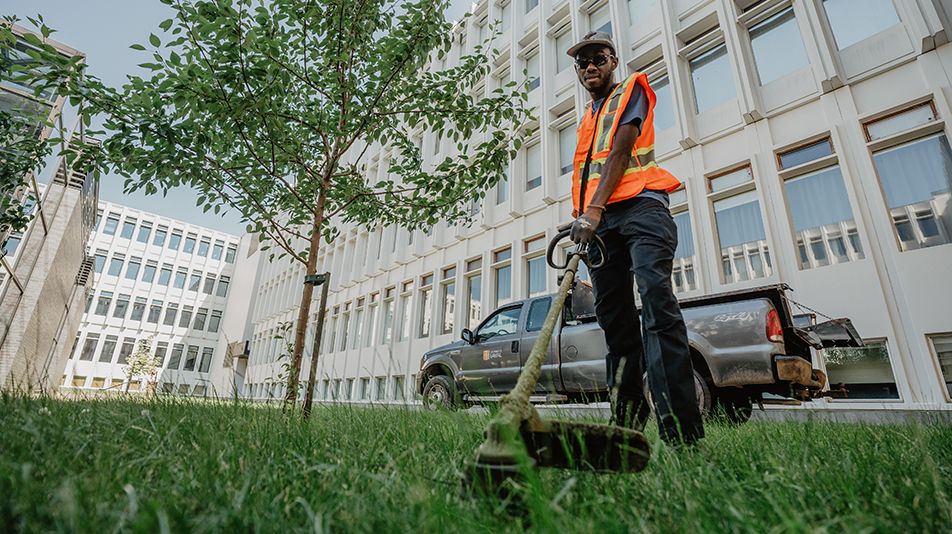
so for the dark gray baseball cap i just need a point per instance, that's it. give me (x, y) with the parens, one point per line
(592, 38)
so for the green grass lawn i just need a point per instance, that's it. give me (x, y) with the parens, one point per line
(163, 465)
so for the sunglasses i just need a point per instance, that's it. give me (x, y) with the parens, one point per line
(582, 63)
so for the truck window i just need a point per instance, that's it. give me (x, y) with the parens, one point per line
(503, 322)
(537, 312)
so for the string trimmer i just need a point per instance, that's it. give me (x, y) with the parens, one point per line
(518, 438)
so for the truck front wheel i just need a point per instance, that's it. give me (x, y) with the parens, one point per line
(440, 392)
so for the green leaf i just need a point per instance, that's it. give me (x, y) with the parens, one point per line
(137, 47)
(154, 39)
(165, 25)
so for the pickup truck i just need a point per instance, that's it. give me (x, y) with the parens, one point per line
(744, 344)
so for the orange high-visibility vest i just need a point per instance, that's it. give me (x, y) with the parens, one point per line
(642, 171)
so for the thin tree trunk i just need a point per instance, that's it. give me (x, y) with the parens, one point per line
(306, 295)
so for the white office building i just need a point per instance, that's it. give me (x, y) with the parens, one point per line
(811, 136)
(156, 279)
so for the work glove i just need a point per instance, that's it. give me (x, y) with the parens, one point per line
(583, 229)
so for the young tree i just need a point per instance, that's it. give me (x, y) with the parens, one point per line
(268, 108)
(142, 363)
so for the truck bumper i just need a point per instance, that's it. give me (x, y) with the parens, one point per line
(796, 370)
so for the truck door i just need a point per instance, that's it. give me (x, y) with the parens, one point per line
(490, 366)
(549, 381)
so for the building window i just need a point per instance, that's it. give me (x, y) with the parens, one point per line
(865, 371)
(203, 247)
(358, 324)
(448, 300)
(502, 276)
(531, 4)
(380, 388)
(161, 352)
(128, 228)
(600, 20)
(740, 229)
(214, 322)
(855, 20)
(505, 17)
(155, 311)
(711, 76)
(207, 354)
(138, 309)
(175, 240)
(122, 306)
(200, 317)
(128, 345)
(533, 71)
(230, 254)
(170, 314)
(165, 274)
(348, 388)
(345, 330)
(144, 232)
(195, 281)
(777, 46)
(180, 276)
(533, 166)
(403, 318)
(189, 244)
(102, 305)
(683, 275)
(89, 347)
(186, 318)
(562, 44)
(426, 305)
(108, 349)
(190, 357)
(115, 265)
(567, 142)
(364, 389)
(332, 332)
(819, 209)
(942, 347)
(387, 334)
(399, 390)
(474, 283)
(217, 250)
(535, 266)
(502, 190)
(916, 178)
(209, 284)
(148, 274)
(175, 360)
(664, 106)
(159, 238)
(132, 269)
(374, 318)
(223, 286)
(638, 10)
(112, 222)
(100, 260)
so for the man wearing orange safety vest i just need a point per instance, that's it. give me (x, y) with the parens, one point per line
(621, 194)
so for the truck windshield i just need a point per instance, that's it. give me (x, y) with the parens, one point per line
(503, 322)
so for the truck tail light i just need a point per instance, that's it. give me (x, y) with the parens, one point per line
(774, 329)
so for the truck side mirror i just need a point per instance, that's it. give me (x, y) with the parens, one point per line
(467, 336)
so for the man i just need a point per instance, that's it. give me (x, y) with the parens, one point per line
(620, 194)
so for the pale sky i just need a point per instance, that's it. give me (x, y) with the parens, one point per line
(103, 30)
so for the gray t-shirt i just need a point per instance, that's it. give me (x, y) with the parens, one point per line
(635, 113)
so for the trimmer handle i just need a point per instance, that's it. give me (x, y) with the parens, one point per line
(581, 250)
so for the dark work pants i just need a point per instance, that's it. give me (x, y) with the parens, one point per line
(641, 237)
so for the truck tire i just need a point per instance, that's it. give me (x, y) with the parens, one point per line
(703, 391)
(732, 406)
(440, 393)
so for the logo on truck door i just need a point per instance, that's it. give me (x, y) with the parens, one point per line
(491, 354)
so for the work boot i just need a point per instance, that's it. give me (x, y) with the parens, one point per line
(629, 413)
